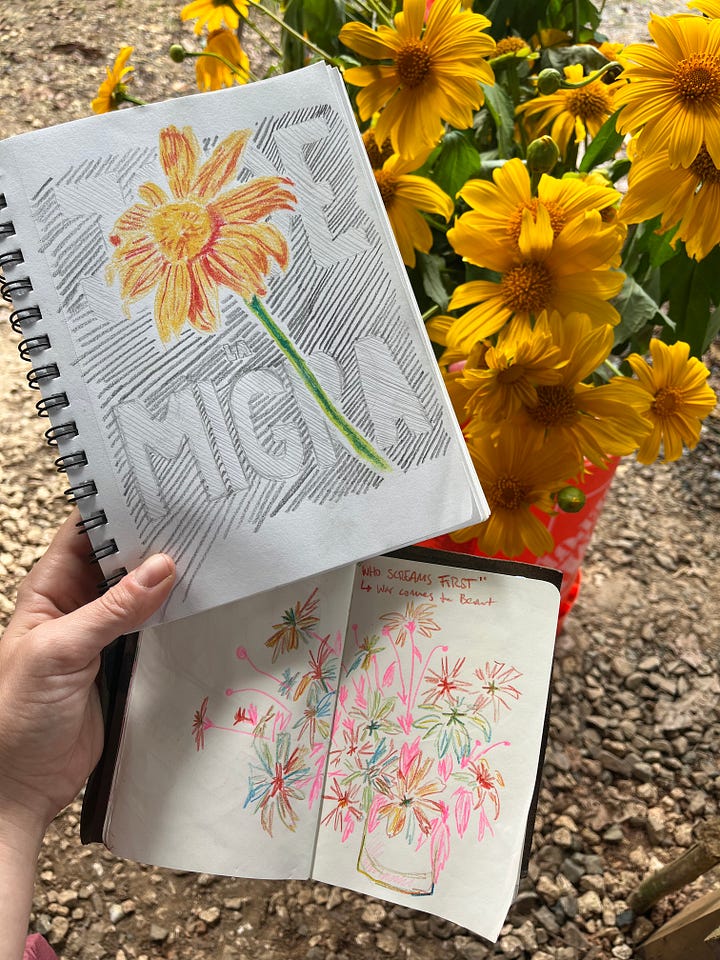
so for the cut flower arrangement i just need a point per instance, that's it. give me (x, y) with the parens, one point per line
(555, 198)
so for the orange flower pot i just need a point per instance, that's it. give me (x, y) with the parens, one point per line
(571, 532)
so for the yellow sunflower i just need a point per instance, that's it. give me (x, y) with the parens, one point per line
(517, 475)
(674, 89)
(711, 8)
(688, 196)
(404, 195)
(434, 75)
(596, 422)
(497, 206)
(571, 113)
(206, 234)
(214, 14)
(107, 95)
(677, 397)
(523, 359)
(568, 272)
(213, 74)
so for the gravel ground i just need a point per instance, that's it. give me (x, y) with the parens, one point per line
(632, 758)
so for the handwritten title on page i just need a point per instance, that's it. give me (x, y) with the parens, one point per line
(408, 582)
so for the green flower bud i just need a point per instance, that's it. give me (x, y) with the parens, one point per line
(542, 155)
(177, 52)
(570, 500)
(549, 81)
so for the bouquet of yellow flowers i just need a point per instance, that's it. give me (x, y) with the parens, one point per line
(556, 200)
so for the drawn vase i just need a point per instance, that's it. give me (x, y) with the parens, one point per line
(396, 864)
(571, 532)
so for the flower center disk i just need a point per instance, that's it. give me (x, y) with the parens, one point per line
(387, 185)
(528, 287)
(589, 103)
(666, 402)
(555, 406)
(703, 167)
(507, 493)
(181, 230)
(413, 63)
(697, 78)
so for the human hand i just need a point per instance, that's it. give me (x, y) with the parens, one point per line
(51, 730)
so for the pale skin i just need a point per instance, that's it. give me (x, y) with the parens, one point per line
(51, 730)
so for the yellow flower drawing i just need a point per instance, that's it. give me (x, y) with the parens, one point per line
(206, 233)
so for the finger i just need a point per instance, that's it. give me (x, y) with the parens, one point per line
(63, 579)
(78, 637)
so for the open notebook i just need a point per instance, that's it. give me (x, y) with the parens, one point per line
(379, 727)
(226, 341)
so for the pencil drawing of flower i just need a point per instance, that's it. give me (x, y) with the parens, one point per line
(497, 687)
(200, 724)
(445, 683)
(295, 625)
(345, 813)
(205, 233)
(417, 617)
(277, 781)
(410, 800)
(453, 726)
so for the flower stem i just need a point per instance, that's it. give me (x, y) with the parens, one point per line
(293, 33)
(356, 440)
(264, 37)
(119, 96)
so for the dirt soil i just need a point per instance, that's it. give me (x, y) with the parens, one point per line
(632, 759)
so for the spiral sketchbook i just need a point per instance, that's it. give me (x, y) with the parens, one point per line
(380, 727)
(225, 340)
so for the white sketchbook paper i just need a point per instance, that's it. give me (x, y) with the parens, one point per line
(246, 372)
(378, 728)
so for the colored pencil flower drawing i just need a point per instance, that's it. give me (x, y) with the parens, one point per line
(410, 751)
(413, 749)
(288, 717)
(202, 235)
(206, 232)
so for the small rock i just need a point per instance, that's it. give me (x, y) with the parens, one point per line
(642, 771)
(613, 834)
(334, 899)
(548, 889)
(115, 912)
(526, 935)
(562, 838)
(569, 905)
(614, 764)
(66, 897)
(547, 920)
(158, 933)
(209, 916)
(511, 946)
(572, 870)
(388, 941)
(373, 913)
(656, 824)
(233, 903)
(58, 930)
(622, 952)
(642, 928)
(589, 904)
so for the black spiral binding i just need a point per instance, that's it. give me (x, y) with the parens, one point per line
(21, 319)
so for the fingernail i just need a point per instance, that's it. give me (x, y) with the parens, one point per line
(154, 570)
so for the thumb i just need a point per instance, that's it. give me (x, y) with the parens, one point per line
(123, 609)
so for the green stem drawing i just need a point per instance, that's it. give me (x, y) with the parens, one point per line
(356, 440)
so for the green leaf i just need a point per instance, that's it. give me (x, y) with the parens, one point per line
(637, 310)
(431, 267)
(502, 110)
(457, 161)
(604, 145)
(522, 15)
(322, 21)
(692, 289)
